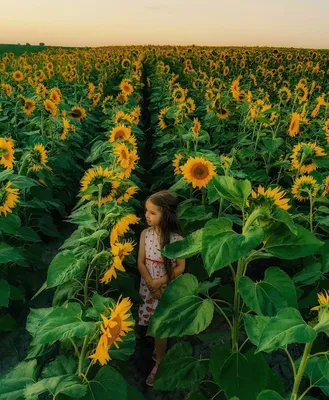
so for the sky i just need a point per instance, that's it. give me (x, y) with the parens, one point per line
(277, 23)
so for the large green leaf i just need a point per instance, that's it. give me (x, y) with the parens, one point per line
(181, 311)
(63, 323)
(9, 254)
(58, 377)
(286, 327)
(317, 370)
(24, 182)
(35, 319)
(267, 297)
(186, 248)
(284, 244)
(108, 384)
(4, 293)
(280, 215)
(269, 395)
(179, 369)
(222, 246)
(14, 382)
(254, 326)
(10, 223)
(64, 267)
(310, 274)
(230, 189)
(241, 375)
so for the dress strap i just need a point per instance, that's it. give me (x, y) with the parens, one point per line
(156, 261)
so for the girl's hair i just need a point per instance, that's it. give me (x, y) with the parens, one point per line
(168, 203)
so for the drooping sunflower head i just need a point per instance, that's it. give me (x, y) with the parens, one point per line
(304, 187)
(66, 129)
(304, 155)
(162, 118)
(270, 197)
(55, 95)
(38, 156)
(122, 226)
(8, 198)
(198, 171)
(50, 107)
(323, 313)
(190, 104)
(7, 153)
(121, 118)
(122, 152)
(78, 113)
(325, 186)
(122, 98)
(126, 194)
(113, 329)
(294, 124)
(196, 127)
(177, 163)
(301, 92)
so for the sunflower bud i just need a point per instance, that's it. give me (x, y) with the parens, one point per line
(323, 313)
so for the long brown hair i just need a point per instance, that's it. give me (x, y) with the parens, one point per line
(168, 203)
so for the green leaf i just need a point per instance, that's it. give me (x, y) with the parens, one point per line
(180, 310)
(4, 293)
(269, 395)
(101, 303)
(272, 144)
(267, 297)
(133, 393)
(14, 382)
(108, 384)
(204, 287)
(286, 327)
(283, 216)
(325, 256)
(23, 182)
(186, 248)
(317, 370)
(310, 274)
(241, 375)
(179, 369)
(9, 254)
(35, 319)
(231, 189)
(283, 244)
(254, 326)
(64, 267)
(92, 239)
(222, 246)
(63, 323)
(28, 234)
(10, 223)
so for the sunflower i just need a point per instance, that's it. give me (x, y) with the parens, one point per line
(119, 250)
(113, 329)
(66, 129)
(161, 117)
(303, 155)
(100, 175)
(38, 157)
(294, 124)
(326, 186)
(29, 106)
(302, 185)
(122, 151)
(275, 196)
(129, 192)
(190, 105)
(198, 171)
(126, 87)
(18, 76)
(132, 158)
(7, 153)
(50, 107)
(122, 118)
(8, 198)
(122, 226)
(96, 99)
(176, 163)
(7, 89)
(196, 127)
(179, 94)
(284, 94)
(120, 132)
(55, 95)
(301, 92)
(122, 98)
(41, 89)
(78, 113)
(323, 299)
(326, 129)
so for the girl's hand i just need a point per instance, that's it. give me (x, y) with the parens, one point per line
(154, 284)
(157, 294)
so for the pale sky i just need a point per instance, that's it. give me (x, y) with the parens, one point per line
(284, 23)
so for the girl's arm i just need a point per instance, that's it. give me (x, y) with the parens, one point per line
(178, 270)
(141, 258)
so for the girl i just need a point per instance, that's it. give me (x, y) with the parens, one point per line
(156, 270)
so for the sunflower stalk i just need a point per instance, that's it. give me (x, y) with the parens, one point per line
(83, 354)
(301, 369)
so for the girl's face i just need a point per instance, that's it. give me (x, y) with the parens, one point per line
(153, 213)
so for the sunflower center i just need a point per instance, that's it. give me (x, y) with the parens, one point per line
(120, 135)
(76, 113)
(116, 330)
(200, 171)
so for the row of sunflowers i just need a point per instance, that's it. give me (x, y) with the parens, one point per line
(50, 133)
(242, 136)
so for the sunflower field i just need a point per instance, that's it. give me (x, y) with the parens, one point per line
(241, 135)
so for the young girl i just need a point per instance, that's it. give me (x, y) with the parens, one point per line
(157, 271)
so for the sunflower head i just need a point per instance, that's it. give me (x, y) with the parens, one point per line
(323, 313)
(120, 132)
(267, 199)
(29, 106)
(126, 87)
(39, 157)
(78, 113)
(8, 198)
(7, 153)
(198, 171)
(304, 187)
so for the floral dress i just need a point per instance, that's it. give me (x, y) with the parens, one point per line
(156, 269)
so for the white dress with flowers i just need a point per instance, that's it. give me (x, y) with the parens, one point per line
(156, 269)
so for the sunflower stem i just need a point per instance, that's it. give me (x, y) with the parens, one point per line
(311, 210)
(236, 308)
(83, 354)
(301, 369)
